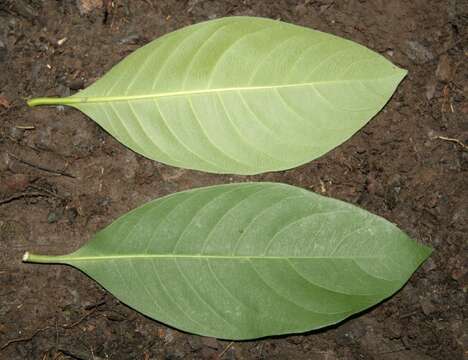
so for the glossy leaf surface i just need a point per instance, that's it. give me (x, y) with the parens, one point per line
(243, 261)
(239, 95)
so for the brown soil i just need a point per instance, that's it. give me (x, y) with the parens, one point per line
(63, 178)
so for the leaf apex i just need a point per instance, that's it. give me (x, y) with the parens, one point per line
(402, 72)
(426, 251)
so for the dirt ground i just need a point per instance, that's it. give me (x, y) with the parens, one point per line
(62, 177)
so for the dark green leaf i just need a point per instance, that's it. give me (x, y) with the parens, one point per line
(243, 261)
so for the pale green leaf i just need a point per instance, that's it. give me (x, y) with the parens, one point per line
(239, 95)
(243, 261)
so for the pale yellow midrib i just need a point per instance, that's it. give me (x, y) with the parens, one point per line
(201, 256)
(94, 99)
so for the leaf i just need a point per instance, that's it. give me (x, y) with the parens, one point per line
(243, 261)
(239, 95)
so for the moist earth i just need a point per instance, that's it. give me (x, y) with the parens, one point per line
(62, 177)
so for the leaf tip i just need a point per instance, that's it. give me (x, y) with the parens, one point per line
(422, 253)
(402, 73)
(426, 251)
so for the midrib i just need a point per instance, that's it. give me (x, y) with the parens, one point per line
(200, 256)
(98, 99)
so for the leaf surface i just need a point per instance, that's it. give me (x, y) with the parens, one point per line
(243, 261)
(239, 95)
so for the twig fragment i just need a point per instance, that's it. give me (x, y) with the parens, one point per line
(21, 195)
(39, 167)
(456, 141)
(225, 350)
(22, 339)
(51, 193)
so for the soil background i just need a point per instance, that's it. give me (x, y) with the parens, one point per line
(62, 177)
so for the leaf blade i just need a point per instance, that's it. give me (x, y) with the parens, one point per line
(260, 256)
(289, 93)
